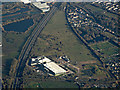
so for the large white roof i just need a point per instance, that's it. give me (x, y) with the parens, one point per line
(40, 5)
(49, 64)
(29, 1)
(54, 67)
(43, 6)
(37, 3)
(45, 10)
(45, 60)
(26, 1)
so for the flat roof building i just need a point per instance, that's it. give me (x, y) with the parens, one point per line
(44, 60)
(26, 1)
(56, 69)
(43, 6)
(50, 65)
(37, 3)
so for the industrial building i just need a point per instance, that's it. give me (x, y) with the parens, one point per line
(48, 64)
(39, 4)
(30, 1)
(42, 6)
(57, 70)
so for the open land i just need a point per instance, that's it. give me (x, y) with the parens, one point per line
(58, 39)
(88, 36)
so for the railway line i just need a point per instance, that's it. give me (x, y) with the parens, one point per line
(92, 51)
(28, 46)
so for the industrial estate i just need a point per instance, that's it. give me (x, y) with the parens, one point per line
(48, 64)
(60, 44)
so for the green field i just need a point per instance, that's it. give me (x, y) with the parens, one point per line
(96, 9)
(58, 39)
(94, 71)
(106, 48)
(12, 45)
(52, 84)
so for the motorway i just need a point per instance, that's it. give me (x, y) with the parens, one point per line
(28, 46)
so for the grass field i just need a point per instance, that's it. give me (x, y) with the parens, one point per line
(96, 9)
(106, 48)
(52, 84)
(58, 84)
(95, 71)
(57, 35)
(58, 39)
(12, 44)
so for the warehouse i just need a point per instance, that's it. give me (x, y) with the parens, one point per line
(43, 6)
(37, 3)
(57, 70)
(48, 64)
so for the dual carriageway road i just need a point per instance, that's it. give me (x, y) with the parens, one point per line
(28, 46)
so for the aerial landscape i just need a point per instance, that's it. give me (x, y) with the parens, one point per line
(60, 45)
